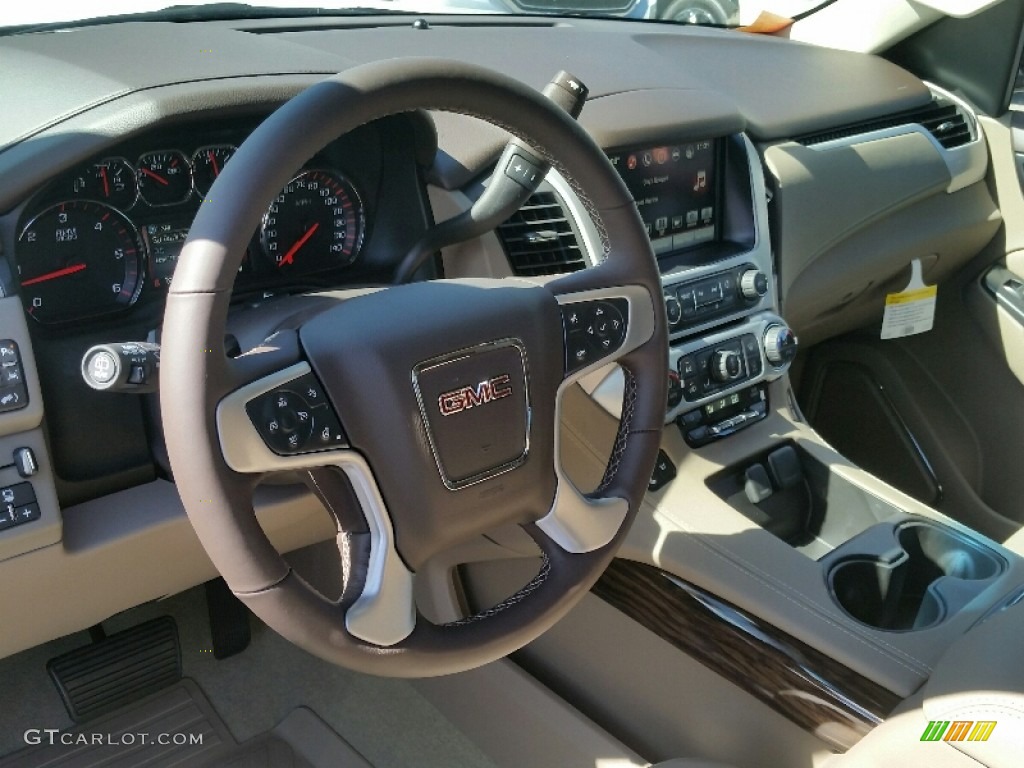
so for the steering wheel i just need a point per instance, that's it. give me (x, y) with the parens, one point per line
(424, 414)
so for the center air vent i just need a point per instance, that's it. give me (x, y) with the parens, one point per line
(941, 119)
(539, 239)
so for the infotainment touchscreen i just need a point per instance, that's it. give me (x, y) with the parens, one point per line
(676, 190)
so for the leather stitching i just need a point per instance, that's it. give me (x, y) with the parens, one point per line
(508, 602)
(629, 397)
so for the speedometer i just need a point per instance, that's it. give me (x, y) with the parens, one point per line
(314, 224)
(78, 259)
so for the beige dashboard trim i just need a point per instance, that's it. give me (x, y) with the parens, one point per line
(127, 549)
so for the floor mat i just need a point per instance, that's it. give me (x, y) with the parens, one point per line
(177, 728)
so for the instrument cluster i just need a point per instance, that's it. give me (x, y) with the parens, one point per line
(100, 238)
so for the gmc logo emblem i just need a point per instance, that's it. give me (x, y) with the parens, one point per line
(464, 398)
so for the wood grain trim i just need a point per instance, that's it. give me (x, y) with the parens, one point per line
(803, 684)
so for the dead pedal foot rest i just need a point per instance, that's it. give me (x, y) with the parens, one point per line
(118, 670)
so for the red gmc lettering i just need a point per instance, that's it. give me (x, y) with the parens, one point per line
(464, 398)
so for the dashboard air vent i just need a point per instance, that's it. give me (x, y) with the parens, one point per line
(539, 239)
(581, 6)
(943, 120)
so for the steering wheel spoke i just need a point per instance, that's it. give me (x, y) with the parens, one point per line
(378, 587)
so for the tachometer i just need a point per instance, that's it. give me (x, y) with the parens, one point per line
(315, 224)
(78, 259)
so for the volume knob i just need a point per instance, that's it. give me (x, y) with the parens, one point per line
(753, 284)
(780, 345)
(673, 309)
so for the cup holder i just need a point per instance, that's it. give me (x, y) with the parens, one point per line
(933, 573)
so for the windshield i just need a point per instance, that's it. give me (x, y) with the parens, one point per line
(703, 12)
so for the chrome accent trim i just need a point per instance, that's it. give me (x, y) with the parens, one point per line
(192, 159)
(135, 181)
(357, 203)
(385, 613)
(188, 165)
(590, 241)
(462, 354)
(759, 256)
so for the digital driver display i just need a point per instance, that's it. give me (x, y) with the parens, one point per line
(675, 189)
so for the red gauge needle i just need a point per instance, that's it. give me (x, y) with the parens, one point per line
(213, 162)
(155, 177)
(55, 274)
(288, 258)
(106, 183)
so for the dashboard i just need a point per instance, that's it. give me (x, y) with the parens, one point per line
(758, 223)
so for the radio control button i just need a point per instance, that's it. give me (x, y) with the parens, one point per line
(753, 284)
(673, 309)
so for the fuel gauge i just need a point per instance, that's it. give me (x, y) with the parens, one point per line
(112, 181)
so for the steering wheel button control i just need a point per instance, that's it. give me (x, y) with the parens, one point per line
(296, 418)
(593, 329)
(573, 319)
(18, 505)
(13, 392)
(523, 171)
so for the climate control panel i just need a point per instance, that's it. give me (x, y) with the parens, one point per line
(719, 366)
(706, 367)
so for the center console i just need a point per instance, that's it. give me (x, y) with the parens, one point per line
(748, 504)
(704, 206)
